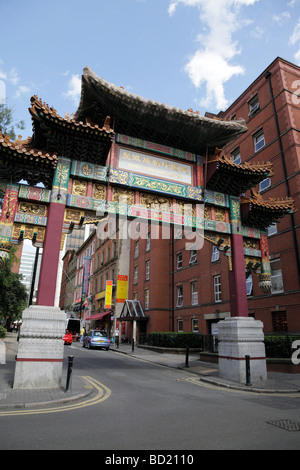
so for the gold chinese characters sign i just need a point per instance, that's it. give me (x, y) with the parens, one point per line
(138, 162)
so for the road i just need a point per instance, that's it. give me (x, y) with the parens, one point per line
(151, 407)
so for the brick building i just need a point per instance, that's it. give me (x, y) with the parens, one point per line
(271, 109)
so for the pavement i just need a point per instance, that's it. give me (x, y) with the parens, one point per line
(79, 388)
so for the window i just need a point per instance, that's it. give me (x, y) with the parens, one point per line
(179, 325)
(193, 257)
(215, 254)
(195, 326)
(236, 156)
(148, 242)
(259, 141)
(253, 105)
(276, 276)
(136, 251)
(217, 288)
(249, 283)
(147, 270)
(279, 321)
(194, 293)
(179, 296)
(264, 184)
(179, 260)
(147, 299)
(136, 274)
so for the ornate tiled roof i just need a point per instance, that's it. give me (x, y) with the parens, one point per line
(79, 140)
(260, 213)
(225, 176)
(19, 160)
(40, 109)
(146, 119)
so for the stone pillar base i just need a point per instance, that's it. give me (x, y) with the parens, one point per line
(238, 337)
(40, 351)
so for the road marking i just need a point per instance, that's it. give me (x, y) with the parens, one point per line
(103, 393)
(200, 383)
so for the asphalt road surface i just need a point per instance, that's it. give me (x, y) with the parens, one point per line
(154, 408)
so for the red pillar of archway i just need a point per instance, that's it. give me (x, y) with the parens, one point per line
(50, 259)
(52, 243)
(237, 279)
(40, 350)
(240, 336)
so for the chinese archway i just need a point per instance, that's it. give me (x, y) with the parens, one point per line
(117, 154)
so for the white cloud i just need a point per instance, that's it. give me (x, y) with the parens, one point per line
(295, 39)
(2, 75)
(211, 63)
(280, 19)
(21, 90)
(2, 91)
(74, 90)
(13, 76)
(211, 68)
(257, 32)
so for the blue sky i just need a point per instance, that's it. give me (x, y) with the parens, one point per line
(198, 54)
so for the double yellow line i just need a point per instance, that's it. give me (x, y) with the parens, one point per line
(103, 393)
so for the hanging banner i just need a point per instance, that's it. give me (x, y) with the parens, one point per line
(122, 288)
(108, 294)
(86, 273)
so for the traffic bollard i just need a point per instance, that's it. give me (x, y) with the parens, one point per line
(248, 375)
(132, 344)
(69, 374)
(187, 357)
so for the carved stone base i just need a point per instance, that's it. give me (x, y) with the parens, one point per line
(239, 337)
(40, 351)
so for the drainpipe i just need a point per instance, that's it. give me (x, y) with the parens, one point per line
(268, 77)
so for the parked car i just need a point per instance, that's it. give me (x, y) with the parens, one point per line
(68, 338)
(96, 339)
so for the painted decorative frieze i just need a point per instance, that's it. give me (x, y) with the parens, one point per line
(34, 193)
(59, 191)
(89, 170)
(163, 149)
(35, 233)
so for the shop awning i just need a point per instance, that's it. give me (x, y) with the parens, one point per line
(98, 316)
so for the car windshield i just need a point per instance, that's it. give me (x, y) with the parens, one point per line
(100, 333)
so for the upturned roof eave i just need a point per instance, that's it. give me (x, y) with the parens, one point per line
(141, 113)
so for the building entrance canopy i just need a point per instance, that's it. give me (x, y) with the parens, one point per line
(132, 310)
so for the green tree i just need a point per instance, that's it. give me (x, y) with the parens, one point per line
(13, 293)
(7, 125)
